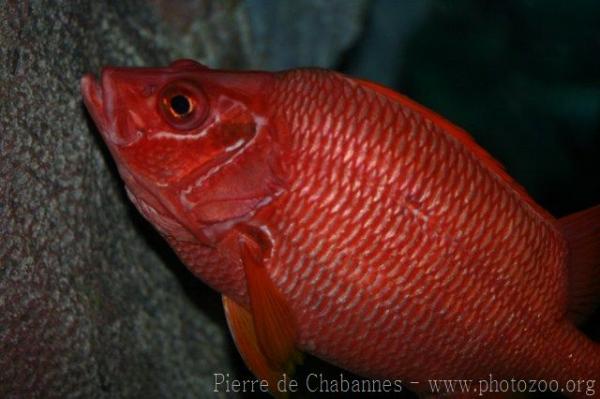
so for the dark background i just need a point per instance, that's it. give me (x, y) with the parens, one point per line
(523, 77)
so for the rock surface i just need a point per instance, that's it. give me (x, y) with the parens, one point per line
(92, 302)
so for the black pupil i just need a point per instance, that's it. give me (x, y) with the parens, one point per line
(180, 105)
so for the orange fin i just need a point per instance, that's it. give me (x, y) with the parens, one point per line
(582, 232)
(459, 135)
(265, 335)
(241, 326)
(275, 328)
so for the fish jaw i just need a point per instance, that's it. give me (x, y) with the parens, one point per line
(93, 99)
(99, 97)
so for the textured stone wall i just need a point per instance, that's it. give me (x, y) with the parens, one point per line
(92, 302)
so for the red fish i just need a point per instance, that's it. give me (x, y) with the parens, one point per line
(342, 219)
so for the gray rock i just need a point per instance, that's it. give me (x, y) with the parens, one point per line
(92, 302)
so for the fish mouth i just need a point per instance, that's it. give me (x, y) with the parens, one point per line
(96, 97)
(99, 98)
(93, 99)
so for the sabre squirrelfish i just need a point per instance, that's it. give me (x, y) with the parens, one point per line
(339, 218)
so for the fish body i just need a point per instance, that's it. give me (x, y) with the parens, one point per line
(344, 220)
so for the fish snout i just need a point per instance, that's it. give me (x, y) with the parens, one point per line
(108, 107)
(92, 98)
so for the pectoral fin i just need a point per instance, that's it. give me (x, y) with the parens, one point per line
(264, 334)
(241, 326)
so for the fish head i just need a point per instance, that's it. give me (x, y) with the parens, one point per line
(191, 143)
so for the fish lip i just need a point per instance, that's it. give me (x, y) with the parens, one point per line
(93, 99)
(99, 100)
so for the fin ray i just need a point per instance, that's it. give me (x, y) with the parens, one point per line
(275, 330)
(242, 330)
(582, 232)
(265, 333)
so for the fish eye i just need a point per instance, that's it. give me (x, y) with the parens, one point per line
(183, 105)
(180, 105)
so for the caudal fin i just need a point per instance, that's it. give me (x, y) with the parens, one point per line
(582, 232)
